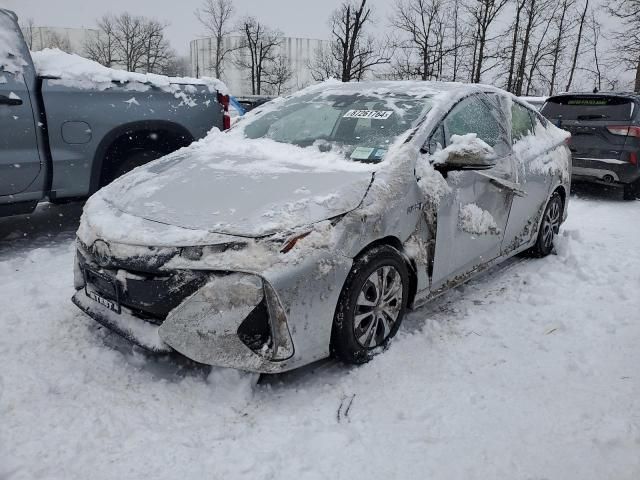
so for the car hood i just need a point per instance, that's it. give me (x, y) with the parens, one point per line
(229, 195)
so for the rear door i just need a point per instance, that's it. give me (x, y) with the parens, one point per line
(19, 158)
(598, 125)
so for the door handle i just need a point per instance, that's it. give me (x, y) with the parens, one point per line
(12, 102)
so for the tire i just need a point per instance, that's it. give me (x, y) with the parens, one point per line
(357, 337)
(131, 160)
(631, 191)
(549, 227)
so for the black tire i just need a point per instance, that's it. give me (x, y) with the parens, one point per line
(549, 227)
(130, 160)
(631, 191)
(377, 329)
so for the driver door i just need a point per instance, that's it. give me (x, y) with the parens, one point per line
(472, 217)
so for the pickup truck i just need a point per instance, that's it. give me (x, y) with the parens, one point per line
(69, 126)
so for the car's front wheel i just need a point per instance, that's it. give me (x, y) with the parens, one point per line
(372, 305)
(549, 227)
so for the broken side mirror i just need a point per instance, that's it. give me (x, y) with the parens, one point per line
(465, 152)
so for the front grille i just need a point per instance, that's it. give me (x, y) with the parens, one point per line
(141, 259)
(149, 296)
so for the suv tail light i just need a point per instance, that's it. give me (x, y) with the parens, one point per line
(624, 130)
(226, 120)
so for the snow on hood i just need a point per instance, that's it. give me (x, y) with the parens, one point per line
(230, 185)
(75, 71)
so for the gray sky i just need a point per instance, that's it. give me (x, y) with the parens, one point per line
(296, 18)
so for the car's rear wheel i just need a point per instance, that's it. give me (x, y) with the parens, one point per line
(549, 227)
(372, 305)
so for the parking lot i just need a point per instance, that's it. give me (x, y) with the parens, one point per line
(530, 371)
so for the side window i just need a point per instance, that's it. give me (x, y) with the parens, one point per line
(478, 115)
(521, 123)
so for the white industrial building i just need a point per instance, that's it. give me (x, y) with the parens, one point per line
(298, 51)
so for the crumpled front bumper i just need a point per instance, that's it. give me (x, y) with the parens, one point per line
(205, 326)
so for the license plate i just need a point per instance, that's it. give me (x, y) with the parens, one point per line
(111, 305)
(111, 296)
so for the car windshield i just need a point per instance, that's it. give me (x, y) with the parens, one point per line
(361, 127)
(589, 107)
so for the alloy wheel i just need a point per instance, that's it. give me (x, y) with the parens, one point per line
(378, 306)
(551, 223)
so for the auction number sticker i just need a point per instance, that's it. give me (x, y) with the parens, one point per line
(373, 114)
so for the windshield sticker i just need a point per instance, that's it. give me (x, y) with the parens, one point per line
(361, 153)
(379, 153)
(373, 114)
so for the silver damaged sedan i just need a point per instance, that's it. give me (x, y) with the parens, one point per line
(314, 224)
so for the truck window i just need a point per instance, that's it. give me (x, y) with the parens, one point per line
(588, 107)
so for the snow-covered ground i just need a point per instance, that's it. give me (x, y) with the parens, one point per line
(531, 371)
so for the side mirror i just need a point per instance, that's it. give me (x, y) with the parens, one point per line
(466, 152)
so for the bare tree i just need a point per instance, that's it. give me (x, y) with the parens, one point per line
(258, 50)
(627, 35)
(423, 22)
(352, 52)
(323, 65)
(278, 75)
(135, 43)
(216, 17)
(558, 42)
(101, 47)
(592, 40)
(514, 44)
(157, 52)
(576, 51)
(484, 13)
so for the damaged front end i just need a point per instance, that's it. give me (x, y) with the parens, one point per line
(223, 318)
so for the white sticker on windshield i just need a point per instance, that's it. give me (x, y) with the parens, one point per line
(373, 114)
(361, 153)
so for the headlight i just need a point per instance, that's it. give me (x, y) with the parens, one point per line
(290, 242)
(196, 253)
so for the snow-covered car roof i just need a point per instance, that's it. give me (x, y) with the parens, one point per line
(413, 88)
(79, 72)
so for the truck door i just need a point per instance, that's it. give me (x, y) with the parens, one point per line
(19, 158)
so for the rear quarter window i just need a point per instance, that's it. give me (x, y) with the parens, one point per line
(521, 122)
(589, 107)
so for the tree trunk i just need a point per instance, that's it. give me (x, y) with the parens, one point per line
(576, 53)
(514, 45)
(636, 87)
(525, 49)
(556, 50)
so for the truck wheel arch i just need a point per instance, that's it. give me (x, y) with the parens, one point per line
(172, 136)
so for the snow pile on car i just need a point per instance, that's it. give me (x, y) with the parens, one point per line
(534, 151)
(476, 221)
(75, 71)
(468, 145)
(11, 60)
